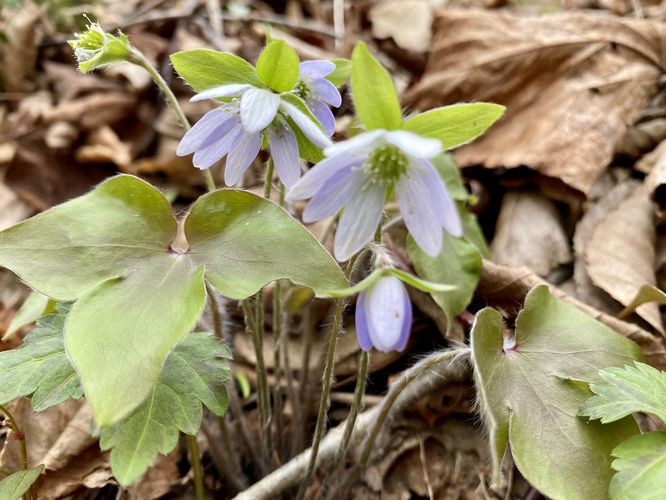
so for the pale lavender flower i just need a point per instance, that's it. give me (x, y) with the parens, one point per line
(357, 174)
(384, 316)
(318, 92)
(236, 130)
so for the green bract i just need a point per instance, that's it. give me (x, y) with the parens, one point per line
(531, 386)
(341, 73)
(14, 486)
(455, 125)
(194, 373)
(40, 367)
(136, 297)
(33, 308)
(203, 69)
(94, 48)
(375, 98)
(277, 66)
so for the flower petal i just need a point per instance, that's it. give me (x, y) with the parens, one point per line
(315, 178)
(447, 211)
(284, 150)
(386, 313)
(207, 156)
(333, 195)
(212, 126)
(416, 200)
(362, 333)
(324, 114)
(228, 90)
(258, 108)
(315, 69)
(326, 91)
(406, 324)
(413, 144)
(241, 157)
(359, 221)
(306, 125)
(360, 144)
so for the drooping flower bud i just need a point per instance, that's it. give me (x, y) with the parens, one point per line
(384, 316)
(95, 48)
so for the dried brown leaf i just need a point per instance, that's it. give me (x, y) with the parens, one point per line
(529, 234)
(104, 146)
(408, 22)
(19, 53)
(572, 83)
(620, 255)
(94, 110)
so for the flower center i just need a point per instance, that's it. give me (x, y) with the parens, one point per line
(302, 90)
(387, 164)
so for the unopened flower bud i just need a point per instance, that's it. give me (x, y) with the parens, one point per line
(95, 48)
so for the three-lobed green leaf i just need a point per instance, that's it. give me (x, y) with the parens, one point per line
(194, 373)
(203, 69)
(623, 391)
(532, 385)
(640, 463)
(375, 98)
(137, 298)
(14, 486)
(40, 366)
(457, 124)
(278, 66)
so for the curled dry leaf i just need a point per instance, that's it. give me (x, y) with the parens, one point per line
(505, 288)
(620, 254)
(104, 146)
(408, 22)
(529, 234)
(94, 110)
(571, 82)
(12, 209)
(610, 198)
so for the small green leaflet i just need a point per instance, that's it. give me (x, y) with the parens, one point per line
(623, 391)
(110, 251)
(531, 386)
(33, 308)
(640, 463)
(278, 66)
(375, 98)
(15, 485)
(455, 125)
(341, 73)
(40, 367)
(203, 69)
(193, 373)
(306, 149)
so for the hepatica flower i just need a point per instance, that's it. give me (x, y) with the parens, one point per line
(384, 316)
(357, 174)
(236, 130)
(275, 104)
(318, 92)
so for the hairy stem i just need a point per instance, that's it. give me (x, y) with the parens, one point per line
(136, 57)
(23, 445)
(195, 462)
(222, 460)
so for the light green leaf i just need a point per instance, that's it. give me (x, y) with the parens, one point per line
(450, 174)
(458, 264)
(15, 485)
(455, 125)
(375, 98)
(420, 284)
(472, 230)
(646, 293)
(641, 465)
(277, 66)
(137, 298)
(203, 69)
(246, 242)
(364, 284)
(306, 149)
(33, 308)
(341, 73)
(40, 366)
(623, 391)
(530, 390)
(193, 373)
